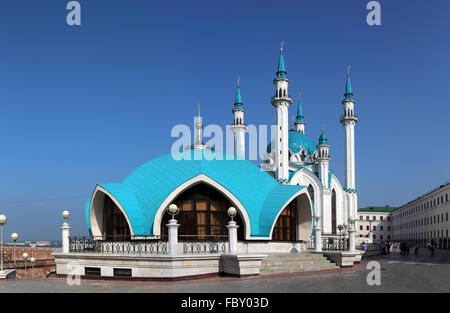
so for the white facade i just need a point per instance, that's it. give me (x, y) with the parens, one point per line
(425, 219)
(373, 226)
(301, 161)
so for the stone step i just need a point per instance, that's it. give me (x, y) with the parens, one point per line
(292, 263)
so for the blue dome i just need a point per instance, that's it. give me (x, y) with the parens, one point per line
(143, 192)
(298, 141)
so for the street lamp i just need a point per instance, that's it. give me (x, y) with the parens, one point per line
(173, 209)
(25, 257)
(32, 260)
(14, 237)
(65, 215)
(232, 212)
(2, 222)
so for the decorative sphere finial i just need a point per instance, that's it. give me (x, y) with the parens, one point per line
(232, 212)
(65, 214)
(173, 209)
(3, 219)
(14, 236)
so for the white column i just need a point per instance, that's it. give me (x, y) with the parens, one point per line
(172, 245)
(351, 233)
(318, 238)
(65, 237)
(232, 237)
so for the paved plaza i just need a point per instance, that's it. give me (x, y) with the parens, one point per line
(412, 273)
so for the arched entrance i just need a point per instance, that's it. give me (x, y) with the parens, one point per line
(295, 221)
(203, 214)
(107, 218)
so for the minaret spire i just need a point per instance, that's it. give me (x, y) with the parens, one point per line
(300, 122)
(349, 120)
(281, 102)
(281, 71)
(348, 95)
(238, 127)
(199, 126)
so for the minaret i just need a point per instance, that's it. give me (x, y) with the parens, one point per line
(238, 127)
(349, 120)
(281, 102)
(300, 122)
(198, 139)
(323, 158)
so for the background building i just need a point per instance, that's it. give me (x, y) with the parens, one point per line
(375, 223)
(425, 218)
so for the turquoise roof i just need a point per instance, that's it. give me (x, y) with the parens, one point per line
(144, 190)
(300, 112)
(323, 140)
(281, 71)
(348, 95)
(298, 141)
(238, 100)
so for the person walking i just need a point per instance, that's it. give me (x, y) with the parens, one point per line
(364, 246)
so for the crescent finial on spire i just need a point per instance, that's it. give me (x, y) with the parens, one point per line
(300, 96)
(238, 79)
(281, 47)
(348, 71)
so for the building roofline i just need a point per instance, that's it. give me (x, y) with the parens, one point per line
(426, 194)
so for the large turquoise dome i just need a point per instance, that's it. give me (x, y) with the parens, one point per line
(298, 141)
(146, 188)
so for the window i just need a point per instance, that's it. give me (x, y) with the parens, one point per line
(374, 228)
(203, 213)
(92, 271)
(122, 272)
(115, 226)
(389, 228)
(333, 212)
(367, 218)
(286, 225)
(367, 227)
(374, 218)
(388, 218)
(360, 227)
(381, 227)
(381, 218)
(360, 217)
(311, 192)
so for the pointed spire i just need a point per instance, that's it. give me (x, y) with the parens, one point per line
(348, 95)
(199, 126)
(300, 109)
(237, 99)
(323, 140)
(281, 72)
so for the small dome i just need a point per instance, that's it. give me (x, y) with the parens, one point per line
(298, 141)
(323, 140)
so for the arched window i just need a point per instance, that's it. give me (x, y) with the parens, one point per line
(285, 228)
(203, 213)
(115, 226)
(333, 212)
(311, 192)
(284, 92)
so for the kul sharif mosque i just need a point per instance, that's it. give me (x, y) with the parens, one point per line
(275, 202)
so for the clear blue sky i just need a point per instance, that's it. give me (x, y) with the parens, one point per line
(89, 104)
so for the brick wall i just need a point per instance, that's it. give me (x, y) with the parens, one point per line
(44, 265)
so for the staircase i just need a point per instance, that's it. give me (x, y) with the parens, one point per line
(292, 263)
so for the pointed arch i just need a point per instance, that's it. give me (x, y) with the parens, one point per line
(202, 178)
(301, 202)
(97, 208)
